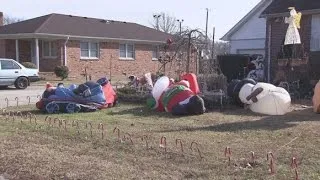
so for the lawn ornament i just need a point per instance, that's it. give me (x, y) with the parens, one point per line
(145, 80)
(109, 93)
(194, 85)
(292, 35)
(257, 72)
(177, 98)
(88, 96)
(265, 98)
(316, 98)
(235, 87)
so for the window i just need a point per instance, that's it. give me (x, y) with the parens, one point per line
(127, 51)
(155, 52)
(315, 33)
(89, 50)
(49, 49)
(9, 65)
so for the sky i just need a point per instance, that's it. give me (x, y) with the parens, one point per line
(223, 14)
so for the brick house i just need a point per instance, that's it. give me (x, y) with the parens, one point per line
(101, 47)
(303, 63)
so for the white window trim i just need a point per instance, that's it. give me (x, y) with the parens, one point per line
(89, 49)
(127, 58)
(155, 46)
(50, 55)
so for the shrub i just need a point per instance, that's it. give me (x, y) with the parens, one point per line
(61, 72)
(213, 82)
(29, 65)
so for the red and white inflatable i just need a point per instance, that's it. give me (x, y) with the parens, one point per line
(179, 98)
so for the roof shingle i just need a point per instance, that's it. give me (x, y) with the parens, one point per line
(59, 24)
(281, 6)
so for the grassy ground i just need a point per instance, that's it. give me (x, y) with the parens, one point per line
(45, 151)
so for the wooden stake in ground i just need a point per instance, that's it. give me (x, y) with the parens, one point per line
(196, 146)
(7, 102)
(227, 153)
(101, 127)
(28, 99)
(179, 141)
(116, 129)
(163, 143)
(128, 136)
(19, 113)
(65, 125)
(294, 166)
(90, 124)
(17, 100)
(270, 158)
(252, 156)
(145, 138)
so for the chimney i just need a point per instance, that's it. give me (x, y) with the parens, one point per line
(1, 19)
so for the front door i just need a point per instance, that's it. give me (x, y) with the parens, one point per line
(9, 71)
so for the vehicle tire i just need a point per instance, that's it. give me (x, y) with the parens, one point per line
(73, 108)
(21, 83)
(52, 108)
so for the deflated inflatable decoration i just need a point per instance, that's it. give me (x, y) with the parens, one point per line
(177, 98)
(265, 98)
(316, 98)
(88, 96)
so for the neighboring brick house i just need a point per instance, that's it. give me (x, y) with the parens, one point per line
(102, 47)
(305, 63)
(2, 42)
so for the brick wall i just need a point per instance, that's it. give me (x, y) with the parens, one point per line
(48, 64)
(2, 42)
(2, 48)
(24, 50)
(10, 48)
(278, 33)
(110, 63)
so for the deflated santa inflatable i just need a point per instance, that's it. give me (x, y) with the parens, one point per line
(179, 98)
(263, 98)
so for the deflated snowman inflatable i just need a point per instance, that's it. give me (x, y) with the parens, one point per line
(265, 98)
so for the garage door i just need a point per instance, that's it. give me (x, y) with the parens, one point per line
(251, 51)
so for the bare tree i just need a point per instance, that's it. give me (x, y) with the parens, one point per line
(164, 22)
(180, 49)
(221, 48)
(10, 20)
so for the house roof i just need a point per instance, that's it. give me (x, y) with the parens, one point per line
(245, 19)
(280, 7)
(83, 27)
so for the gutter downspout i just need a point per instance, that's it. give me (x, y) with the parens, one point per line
(269, 51)
(65, 51)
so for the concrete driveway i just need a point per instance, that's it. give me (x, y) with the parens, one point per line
(10, 96)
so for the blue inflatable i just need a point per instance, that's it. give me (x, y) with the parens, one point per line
(85, 97)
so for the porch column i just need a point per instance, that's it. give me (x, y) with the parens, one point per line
(17, 50)
(37, 53)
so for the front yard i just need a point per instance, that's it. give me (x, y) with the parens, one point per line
(51, 149)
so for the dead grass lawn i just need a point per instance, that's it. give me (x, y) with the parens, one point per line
(44, 151)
